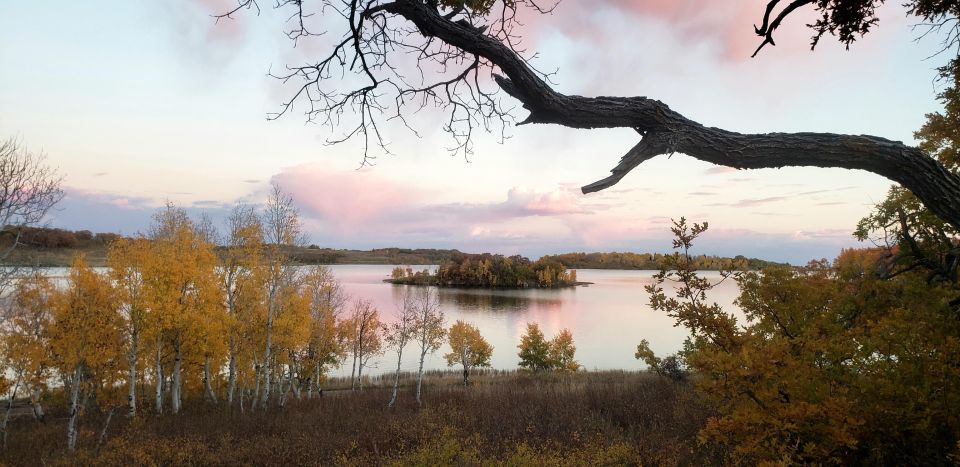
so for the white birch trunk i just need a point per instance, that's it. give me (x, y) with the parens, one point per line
(177, 381)
(396, 379)
(74, 409)
(231, 375)
(132, 376)
(271, 306)
(206, 380)
(159, 380)
(35, 402)
(423, 354)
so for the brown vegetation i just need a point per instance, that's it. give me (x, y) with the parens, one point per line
(565, 419)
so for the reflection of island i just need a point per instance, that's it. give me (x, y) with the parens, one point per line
(490, 271)
(496, 300)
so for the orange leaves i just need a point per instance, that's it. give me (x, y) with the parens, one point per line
(85, 330)
(836, 363)
(467, 346)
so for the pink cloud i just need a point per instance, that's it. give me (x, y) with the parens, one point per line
(348, 200)
(725, 25)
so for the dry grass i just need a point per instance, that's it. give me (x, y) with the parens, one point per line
(505, 418)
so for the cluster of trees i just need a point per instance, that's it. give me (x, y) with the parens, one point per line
(246, 327)
(538, 354)
(171, 315)
(45, 237)
(853, 361)
(489, 270)
(652, 261)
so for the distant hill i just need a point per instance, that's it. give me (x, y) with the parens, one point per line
(51, 247)
(617, 260)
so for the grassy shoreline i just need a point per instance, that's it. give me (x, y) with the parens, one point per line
(512, 418)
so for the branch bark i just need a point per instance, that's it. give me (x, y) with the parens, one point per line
(666, 131)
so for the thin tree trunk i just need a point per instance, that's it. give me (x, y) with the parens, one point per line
(103, 432)
(310, 383)
(271, 305)
(360, 373)
(132, 377)
(256, 387)
(206, 380)
(35, 395)
(396, 379)
(296, 384)
(175, 384)
(423, 355)
(232, 374)
(284, 387)
(353, 371)
(74, 409)
(6, 416)
(158, 401)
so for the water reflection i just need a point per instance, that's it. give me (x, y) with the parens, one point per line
(607, 318)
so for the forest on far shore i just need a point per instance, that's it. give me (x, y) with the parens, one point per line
(56, 247)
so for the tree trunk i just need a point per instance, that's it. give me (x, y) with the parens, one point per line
(396, 380)
(360, 373)
(256, 386)
(295, 384)
(231, 375)
(353, 371)
(284, 387)
(35, 395)
(310, 383)
(74, 409)
(6, 416)
(158, 401)
(132, 376)
(103, 432)
(176, 383)
(271, 306)
(423, 355)
(206, 380)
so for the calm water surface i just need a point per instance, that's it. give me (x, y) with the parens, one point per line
(608, 318)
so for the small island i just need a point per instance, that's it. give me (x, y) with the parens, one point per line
(490, 271)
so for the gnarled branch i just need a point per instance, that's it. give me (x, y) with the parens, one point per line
(667, 131)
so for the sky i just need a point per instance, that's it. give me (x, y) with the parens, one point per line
(141, 103)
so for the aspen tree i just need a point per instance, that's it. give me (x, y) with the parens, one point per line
(430, 328)
(399, 333)
(25, 341)
(327, 300)
(126, 259)
(85, 337)
(281, 222)
(467, 348)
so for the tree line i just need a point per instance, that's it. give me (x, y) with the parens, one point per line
(653, 261)
(246, 329)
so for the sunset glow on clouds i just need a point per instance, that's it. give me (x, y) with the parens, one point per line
(160, 103)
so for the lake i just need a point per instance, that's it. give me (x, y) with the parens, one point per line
(608, 318)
